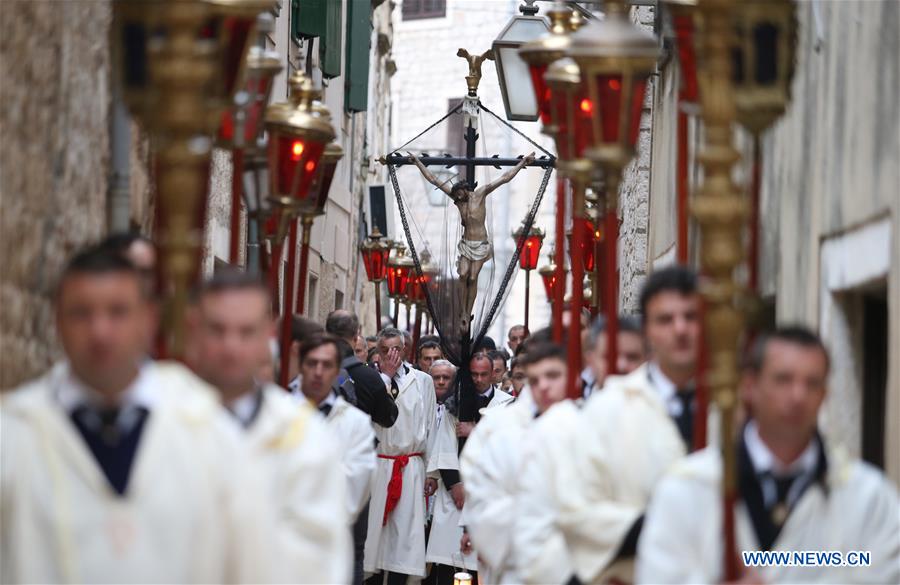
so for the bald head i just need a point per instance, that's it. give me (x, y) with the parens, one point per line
(344, 324)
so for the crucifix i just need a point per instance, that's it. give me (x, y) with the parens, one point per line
(474, 248)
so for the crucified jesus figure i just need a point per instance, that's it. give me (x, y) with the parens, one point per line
(474, 247)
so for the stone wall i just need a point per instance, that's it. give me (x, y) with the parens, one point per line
(54, 155)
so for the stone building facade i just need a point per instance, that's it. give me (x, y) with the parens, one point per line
(830, 211)
(56, 171)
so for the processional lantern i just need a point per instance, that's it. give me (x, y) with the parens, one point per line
(297, 140)
(615, 59)
(529, 251)
(763, 57)
(551, 279)
(684, 24)
(400, 267)
(178, 65)
(513, 72)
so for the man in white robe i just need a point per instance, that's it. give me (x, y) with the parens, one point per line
(796, 493)
(491, 462)
(588, 477)
(446, 529)
(117, 469)
(232, 322)
(395, 544)
(319, 368)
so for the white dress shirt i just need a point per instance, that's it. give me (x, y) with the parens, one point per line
(767, 465)
(72, 393)
(667, 389)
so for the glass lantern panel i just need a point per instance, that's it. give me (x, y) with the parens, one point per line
(237, 34)
(541, 91)
(397, 279)
(321, 184)
(684, 30)
(583, 109)
(531, 249)
(765, 44)
(255, 195)
(610, 89)
(296, 161)
(559, 116)
(515, 77)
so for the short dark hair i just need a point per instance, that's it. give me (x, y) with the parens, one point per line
(627, 324)
(427, 338)
(678, 279)
(480, 355)
(342, 323)
(513, 328)
(319, 340)
(371, 339)
(427, 345)
(516, 362)
(544, 351)
(497, 355)
(631, 324)
(389, 333)
(793, 334)
(303, 328)
(121, 241)
(97, 260)
(486, 344)
(233, 279)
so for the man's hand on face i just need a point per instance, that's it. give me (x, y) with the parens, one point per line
(390, 365)
(465, 544)
(459, 495)
(463, 429)
(430, 486)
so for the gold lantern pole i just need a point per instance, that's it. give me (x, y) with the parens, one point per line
(720, 212)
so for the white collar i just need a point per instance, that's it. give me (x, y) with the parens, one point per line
(72, 392)
(245, 407)
(487, 392)
(329, 400)
(588, 376)
(764, 460)
(666, 387)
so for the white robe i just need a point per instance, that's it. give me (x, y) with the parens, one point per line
(193, 511)
(587, 478)
(399, 546)
(490, 464)
(353, 430)
(541, 552)
(681, 541)
(299, 451)
(446, 526)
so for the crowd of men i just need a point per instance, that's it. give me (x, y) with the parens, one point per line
(117, 467)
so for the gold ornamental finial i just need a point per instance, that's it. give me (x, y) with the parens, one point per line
(474, 61)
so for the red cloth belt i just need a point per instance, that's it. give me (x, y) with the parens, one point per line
(395, 485)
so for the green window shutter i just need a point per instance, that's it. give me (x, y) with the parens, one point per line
(322, 19)
(330, 41)
(359, 34)
(308, 18)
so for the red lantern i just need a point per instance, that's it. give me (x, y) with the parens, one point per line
(548, 276)
(234, 26)
(262, 66)
(615, 58)
(297, 139)
(531, 247)
(571, 110)
(587, 248)
(683, 22)
(398, 274)
(375, 251)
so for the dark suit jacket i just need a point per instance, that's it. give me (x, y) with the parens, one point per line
(371, 395)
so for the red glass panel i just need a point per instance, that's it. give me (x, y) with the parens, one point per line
(237, 34)
(531, 249)
(375, 262)
(575, 135)
(296, 162)
(397, 279)
(684, 31)
(541, 91)
(586, 249)
(321, 184)
(584, 128)
(550, 282)
(609, 89)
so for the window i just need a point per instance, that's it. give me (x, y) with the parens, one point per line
(417, 9)
(874, 360)
(338, 300)
(312, 294)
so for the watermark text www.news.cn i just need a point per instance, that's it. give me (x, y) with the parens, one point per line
(807, 558)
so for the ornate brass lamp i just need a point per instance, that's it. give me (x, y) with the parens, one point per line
(615, 59)
(511, 69)
(375, 251)
(529, 252)
(234, 24)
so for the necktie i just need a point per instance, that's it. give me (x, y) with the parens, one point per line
(325, 409)
(779, 510)
(395, 389)
(685, 420)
